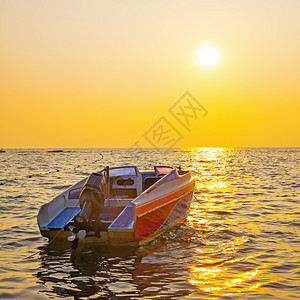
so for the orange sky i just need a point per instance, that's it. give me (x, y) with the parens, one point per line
(102, 73)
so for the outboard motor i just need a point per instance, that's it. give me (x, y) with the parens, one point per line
(91, 200)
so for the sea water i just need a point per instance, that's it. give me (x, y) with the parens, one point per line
(241, 239)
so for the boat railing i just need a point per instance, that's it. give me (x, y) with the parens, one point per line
(145, 194)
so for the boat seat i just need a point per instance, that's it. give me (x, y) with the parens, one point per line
(68, 213)
(124, 221)
(150, 181)
(61, 219)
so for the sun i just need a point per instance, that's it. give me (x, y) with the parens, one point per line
(208, 57)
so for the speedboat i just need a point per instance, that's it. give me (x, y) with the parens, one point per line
(54, 150)
(2, 150)
(119, 206)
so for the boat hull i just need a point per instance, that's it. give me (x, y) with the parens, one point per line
(154, 222)
(106, 238)
(176, 217)
(157, 222)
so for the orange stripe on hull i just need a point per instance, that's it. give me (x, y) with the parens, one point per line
(149, 223)
(164, 200)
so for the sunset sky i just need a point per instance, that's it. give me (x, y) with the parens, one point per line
(103, 73)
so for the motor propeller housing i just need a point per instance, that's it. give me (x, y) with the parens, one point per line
(91, 200)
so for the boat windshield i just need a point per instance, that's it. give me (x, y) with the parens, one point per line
(173, 175)
(123, 171)
(162, 170)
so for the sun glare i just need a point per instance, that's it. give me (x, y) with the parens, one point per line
(208, 57)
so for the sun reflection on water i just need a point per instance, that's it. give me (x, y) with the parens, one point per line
(222, 279)
(221, 266)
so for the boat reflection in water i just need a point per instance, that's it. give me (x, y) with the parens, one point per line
(111, 271)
